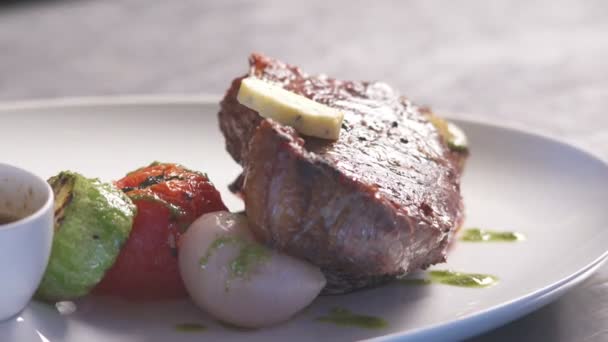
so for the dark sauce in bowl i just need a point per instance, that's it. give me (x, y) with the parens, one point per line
(7, 218)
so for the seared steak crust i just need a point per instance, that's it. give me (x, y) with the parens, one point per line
(380, 201)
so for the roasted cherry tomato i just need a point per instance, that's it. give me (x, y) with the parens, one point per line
(169, 198)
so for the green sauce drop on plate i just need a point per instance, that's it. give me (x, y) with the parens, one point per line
(463, 279)
(234, 327)
(473, 280)
(190, 327)
(344, 317)
(483, 235)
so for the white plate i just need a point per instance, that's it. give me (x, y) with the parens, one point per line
(552, 192)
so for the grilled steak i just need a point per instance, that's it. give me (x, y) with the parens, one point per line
(381, 201)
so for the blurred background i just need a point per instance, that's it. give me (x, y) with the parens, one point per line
(542, 65)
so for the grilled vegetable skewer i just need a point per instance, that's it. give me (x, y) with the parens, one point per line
(92, 221)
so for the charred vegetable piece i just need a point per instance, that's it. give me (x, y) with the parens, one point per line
(92, 221)
(169, 198)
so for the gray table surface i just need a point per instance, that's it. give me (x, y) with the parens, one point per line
(541, 65)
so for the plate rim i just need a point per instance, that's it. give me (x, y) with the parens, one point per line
(109, 100)
(213, 99)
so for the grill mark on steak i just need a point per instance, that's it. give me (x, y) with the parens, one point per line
(364, 208)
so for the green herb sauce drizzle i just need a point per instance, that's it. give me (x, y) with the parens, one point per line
(344, 317)
(472, 280)
(250, 255)
(190, 327)
(483, 235)
(234, 327)
(218, 243)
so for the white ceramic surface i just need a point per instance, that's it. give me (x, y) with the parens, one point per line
(552, 192)
(25, 244)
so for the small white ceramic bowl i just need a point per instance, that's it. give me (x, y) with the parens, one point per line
(25, 244)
